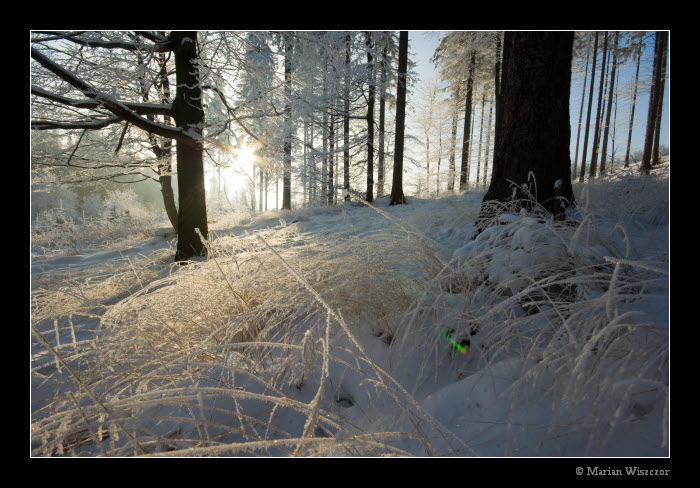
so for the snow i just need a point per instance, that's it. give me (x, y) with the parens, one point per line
(353, 324)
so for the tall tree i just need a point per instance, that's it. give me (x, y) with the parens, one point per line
(346, 120)
(382, 62)
(634, 99)
(606, 131)
(464, 169)
(397, 196)
(588, 113)
(655, 94)
(186, 110)
(370, 117)
(481, 132)
(453, 145)
(596, 131)
(287, 161)
(580, 115)
(660, 98)
(488, 138)
(535, 130)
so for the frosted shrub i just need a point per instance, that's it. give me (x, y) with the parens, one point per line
(572, 303)
(99, 223)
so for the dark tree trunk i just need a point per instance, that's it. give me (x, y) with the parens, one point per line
(588, 115)
(606, 132)
(346, 122)
(645, 166)
(189, 115)
(660, 99)
(464, 170)
(535, 130)
(382, 117)
(287, 162)
(370, 120)
(331, 150)
(397, 196)
(634, 103)
(596, 132)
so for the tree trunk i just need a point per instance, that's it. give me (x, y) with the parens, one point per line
(370, 120)
(464, 170)
(346, 122)
(331, 150)
(324, 135)
(488, 140)
(660, 99)
(189, 115)
(588, 115)
(453, 146)
(397, 196)
(287, 162)
(382, 116)
(535, 130)
(481, 132)
(260, 198)
(166, 189)
(634, 102)
(498, 79)
(612, 152)
(580, 114)
(645, 166)
(606, 132)
(596, 132)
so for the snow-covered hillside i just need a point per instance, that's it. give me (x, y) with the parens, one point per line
(362, 330)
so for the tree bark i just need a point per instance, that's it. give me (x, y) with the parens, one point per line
(382, 117)
(535, 130)
(370, 120)
(346, 122)
(645, 166)
(660, 99)
(464, 170)
(189, 115)
(397, 196)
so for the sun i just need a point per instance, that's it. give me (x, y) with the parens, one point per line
(235, 170)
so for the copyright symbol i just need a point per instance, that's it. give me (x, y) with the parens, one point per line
(579, 471)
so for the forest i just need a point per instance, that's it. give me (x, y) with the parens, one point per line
(349, 244)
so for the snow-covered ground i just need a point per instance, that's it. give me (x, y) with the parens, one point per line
(366, 331)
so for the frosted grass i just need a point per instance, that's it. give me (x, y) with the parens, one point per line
(322, 333)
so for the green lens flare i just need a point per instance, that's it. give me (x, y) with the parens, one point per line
(462, 346)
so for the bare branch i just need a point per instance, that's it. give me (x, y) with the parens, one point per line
(162, 45)
(117, 108)
(92, 124)
(139, 108)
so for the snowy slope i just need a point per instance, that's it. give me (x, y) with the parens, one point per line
(332, 331)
